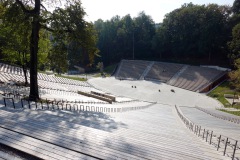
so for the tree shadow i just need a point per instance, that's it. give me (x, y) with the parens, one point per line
(80, 131)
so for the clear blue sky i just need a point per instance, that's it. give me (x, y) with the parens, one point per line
(106, 9)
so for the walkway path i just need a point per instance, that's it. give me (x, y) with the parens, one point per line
(155, 92)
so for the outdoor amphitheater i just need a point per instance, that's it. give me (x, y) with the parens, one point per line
(145, 110)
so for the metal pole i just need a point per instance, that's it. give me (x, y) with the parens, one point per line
(203, 133)
(219, 140)
(225, 148)
(199, 131)
(207, 136)
(4, 102)
(210, 142)
(13, 103)
(234, 150)
(133, 44)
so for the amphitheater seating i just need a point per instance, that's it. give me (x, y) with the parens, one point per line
(16, 73)
(195, 78)
(163, 71)
(218, 125)
(192, 78)
(131, 69)
(148, 134)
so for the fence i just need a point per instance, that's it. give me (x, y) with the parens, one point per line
(228, 145)
(61, 105)
(228, 118)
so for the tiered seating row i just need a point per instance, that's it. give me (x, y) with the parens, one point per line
(37, 148)
(105, 138)
(11, 69)
(131, 69)
(214, 131)
(13, 73)
(163, 71)
(194, 78)
(191, 78)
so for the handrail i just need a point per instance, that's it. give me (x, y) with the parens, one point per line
(71, 106)
(218, 141)
(228, 118)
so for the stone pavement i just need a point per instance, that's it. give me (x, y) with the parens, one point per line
(149, 91)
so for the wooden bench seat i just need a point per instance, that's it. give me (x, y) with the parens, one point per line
(37, 147)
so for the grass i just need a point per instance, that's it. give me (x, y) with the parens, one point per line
(237, 113)
(110, 69)
(218, 93)
(107, 71)
(73, 78)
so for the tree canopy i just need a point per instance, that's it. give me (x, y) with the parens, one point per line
(199, 32)
(194, 31)
(65, 24)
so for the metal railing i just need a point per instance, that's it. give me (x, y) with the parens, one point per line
(223, 143)
(64, 105)
(228, 118)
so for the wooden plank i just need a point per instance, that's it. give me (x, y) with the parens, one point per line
(169, 151)
(40, 146)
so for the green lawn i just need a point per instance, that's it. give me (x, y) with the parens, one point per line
(73, 78)
(218, 93)
(237, 113)
(110, 69)
(107, 71)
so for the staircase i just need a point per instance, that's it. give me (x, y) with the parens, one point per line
(146, 70)
(175, 77)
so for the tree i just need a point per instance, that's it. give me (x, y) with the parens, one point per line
(194, 31)
(76, 37)
(16, 31)
(234, 45)
(40, 18)
(236, 7)
(125, 38)
(235, 75)
(58, 58)
(15, 34)
(144, 31)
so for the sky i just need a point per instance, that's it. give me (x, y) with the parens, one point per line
(106, 9)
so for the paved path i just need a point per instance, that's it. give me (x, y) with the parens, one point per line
(149, 91)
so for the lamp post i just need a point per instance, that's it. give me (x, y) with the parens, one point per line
(133, 44)
(133, 39)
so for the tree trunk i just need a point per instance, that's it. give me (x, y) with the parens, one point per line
(25, 74)
(34, 95)
(24, 63)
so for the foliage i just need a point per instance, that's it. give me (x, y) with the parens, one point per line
(109, 69)
(58, 58)
(235, 75)
(236, 7)
(67, 24)
(76, 35)
(218, 93)
(194, 31)
(125, 38)
(234, 45)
